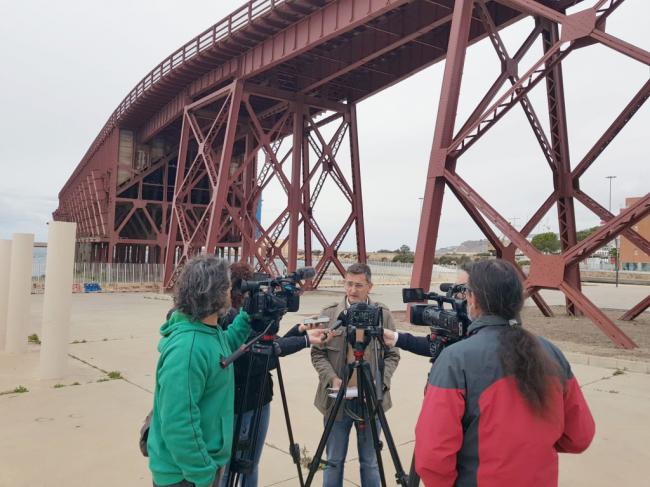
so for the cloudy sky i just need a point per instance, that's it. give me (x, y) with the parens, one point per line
(66, 65)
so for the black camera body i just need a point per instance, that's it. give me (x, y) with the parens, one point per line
(450, 321)
(362, 321)
(270, 298)
(362, 315)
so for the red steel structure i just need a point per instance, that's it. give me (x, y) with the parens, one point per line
(268, 95)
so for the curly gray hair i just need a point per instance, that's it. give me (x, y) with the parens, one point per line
(203, 287)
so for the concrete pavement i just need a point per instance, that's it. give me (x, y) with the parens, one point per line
(86, 434)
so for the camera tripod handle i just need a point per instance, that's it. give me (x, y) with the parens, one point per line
(226, 361)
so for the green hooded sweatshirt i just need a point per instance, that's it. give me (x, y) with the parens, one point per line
(191, 430)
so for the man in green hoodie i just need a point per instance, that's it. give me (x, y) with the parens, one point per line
(191, 430)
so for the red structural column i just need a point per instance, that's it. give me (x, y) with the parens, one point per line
(248, 206)
(170, 250)
(295, 188)
(112, 195)
(562, 179)
(306, 203)
(220, 188)
(438, 160)
(357, 200)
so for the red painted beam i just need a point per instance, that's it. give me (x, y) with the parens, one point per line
(637, 310)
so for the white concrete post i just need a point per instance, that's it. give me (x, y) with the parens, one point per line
(5, 268)
(20, 288)
(57, 301)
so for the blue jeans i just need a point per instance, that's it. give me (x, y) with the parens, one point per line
(250, 480)
(337, 449)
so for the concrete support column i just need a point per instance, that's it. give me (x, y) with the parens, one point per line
(5, 268)
(57, 301)
(20, 288)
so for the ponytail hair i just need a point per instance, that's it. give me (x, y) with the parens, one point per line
(498, 290)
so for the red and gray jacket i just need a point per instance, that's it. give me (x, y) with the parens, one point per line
(475, 428)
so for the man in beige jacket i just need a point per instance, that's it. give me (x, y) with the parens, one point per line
(330, 361)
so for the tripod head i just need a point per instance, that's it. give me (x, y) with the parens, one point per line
(363, 322)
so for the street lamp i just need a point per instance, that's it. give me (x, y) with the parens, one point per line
(611, 178)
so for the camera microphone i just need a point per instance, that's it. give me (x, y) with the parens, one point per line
(446, 286)
(304, 273)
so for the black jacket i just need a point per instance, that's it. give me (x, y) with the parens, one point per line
(259, 385)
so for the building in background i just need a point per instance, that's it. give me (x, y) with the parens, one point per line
(633, 258)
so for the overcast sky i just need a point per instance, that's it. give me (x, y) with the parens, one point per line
(65, 66)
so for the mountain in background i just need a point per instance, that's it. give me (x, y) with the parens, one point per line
(467, 247)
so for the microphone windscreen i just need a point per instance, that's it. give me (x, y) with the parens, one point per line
(305, 273)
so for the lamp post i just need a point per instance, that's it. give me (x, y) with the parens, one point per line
(611, 178)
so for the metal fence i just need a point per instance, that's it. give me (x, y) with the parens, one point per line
(391, 272)
(106, 275)
(115, 275)
(118, 275)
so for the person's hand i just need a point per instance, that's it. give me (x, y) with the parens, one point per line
(309, 326)
(390, 337)
(317, 336)
(336, 383)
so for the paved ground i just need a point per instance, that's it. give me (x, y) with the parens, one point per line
(86, 434)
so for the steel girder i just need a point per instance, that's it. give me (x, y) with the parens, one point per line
(282, 129)
(546, 271)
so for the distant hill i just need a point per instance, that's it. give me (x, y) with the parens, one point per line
(467, 247)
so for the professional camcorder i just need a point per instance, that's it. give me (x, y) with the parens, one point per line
(450, 322)
(269, 299)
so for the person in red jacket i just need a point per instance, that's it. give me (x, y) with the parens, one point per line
(501, 403)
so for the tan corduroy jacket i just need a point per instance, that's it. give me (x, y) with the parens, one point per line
(330, 360)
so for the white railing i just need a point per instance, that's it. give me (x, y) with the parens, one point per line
(391, 272)
(116, 275)
(105, 275)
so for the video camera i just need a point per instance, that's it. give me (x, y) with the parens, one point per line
(450, 322)
(269, 299)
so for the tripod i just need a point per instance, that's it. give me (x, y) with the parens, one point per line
(370, 396)
(243, 451)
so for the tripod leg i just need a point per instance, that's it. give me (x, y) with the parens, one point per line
(375, 432)
(414, 478)
(368, 411)
(315, 463)
(400, 474)
(232, 475)
(294, 448)
(244, 462)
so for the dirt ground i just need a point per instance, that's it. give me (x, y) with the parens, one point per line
(576, 334)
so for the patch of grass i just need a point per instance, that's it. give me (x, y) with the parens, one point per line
(17, 390)
(58, 386)
(613, 391)
(105, 339)
(103, 379)
(618, 372)
(78, 341)
(114, 375)
(34, 339)
(306, 459)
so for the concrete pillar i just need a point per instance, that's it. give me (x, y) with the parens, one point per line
(5, 268)
(57, 301)
(20, 288)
